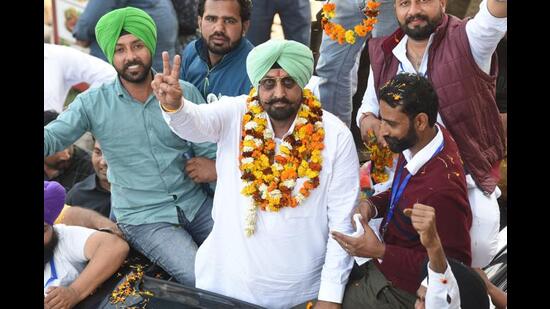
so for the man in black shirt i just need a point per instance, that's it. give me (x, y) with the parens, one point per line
(94, 192)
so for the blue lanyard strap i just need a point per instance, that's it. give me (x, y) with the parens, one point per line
(397, 190)
(54, 273)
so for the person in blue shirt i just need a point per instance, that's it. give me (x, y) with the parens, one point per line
(161, 211)
(162, 12)
(216, 62)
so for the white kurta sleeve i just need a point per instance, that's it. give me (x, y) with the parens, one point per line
(343, 193)
(370, 101)
(484, 32)
(205, 122)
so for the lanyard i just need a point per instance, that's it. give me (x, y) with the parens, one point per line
(397, 190)
(54, 273)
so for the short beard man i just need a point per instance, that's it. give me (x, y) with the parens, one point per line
(218, 49)
(281, 113)
(397, 145)
(135, 77)
(49, 248)
(420, 33)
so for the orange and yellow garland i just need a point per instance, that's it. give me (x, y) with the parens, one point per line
(337, 32)
(380, 158)
(270, 178)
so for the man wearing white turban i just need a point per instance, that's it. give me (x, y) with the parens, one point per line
(287, 175)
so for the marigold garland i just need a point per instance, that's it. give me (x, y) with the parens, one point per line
(380, 158)
(270, 178)
(337, 32)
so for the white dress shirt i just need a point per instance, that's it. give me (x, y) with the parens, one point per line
(65, 67)
(440, 289)
(415, 163)
(484, 32)
(290, 258)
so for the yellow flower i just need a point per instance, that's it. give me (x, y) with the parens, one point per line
(350, 37)
(267, 178)
(248, 190)
(312, 174)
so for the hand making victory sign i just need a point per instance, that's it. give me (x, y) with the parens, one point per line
(166, 85)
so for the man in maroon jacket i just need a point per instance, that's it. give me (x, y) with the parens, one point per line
(429, 171)
(458, 57)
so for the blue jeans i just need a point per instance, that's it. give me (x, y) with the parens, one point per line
(295, 18)
(173, 246)
(336, 62)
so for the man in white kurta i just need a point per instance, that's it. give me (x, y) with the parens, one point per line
(290, 258)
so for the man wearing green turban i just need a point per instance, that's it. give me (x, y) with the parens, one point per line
(157, 196)
(288, 173)
(131, 20)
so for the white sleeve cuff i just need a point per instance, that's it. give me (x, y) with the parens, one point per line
(438, 276)
(331, 292)
(441, 288)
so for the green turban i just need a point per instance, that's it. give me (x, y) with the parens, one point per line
(293, 57)
(130, 19)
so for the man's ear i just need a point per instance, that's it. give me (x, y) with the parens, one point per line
(199, 20)
(246, 24)
(421, 122)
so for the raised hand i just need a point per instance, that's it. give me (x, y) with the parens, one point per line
(423, 220)
(166, 86)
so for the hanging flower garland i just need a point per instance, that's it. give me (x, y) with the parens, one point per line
(270, 178)
(380, 158)
(337, 32)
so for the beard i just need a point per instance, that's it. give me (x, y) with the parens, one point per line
(50, 247)
(397, 145)
(218, 49)
(420, 33)
(286, 112)
(137, 77)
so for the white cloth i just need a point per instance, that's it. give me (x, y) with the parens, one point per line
(68, 257)
(65, 67)
(439, 286)
(359, 231)
(290, 258)
(485, 224)
(484, 31)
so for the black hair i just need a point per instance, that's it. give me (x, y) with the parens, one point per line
(50, 247)
(413, 93)
(49, 116)
(245, 5)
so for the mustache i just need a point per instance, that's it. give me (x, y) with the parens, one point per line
(276, 100)
(417, 16)
(131, 63)
(218, 34)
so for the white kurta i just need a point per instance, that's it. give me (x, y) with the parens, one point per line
(65, 67)
(290, 258)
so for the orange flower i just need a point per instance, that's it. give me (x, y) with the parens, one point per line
(337, 32)
(373, 5)
(361, 30)
(265, 170)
